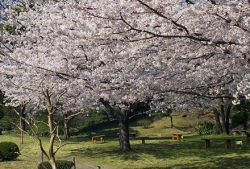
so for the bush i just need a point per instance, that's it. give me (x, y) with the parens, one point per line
(240, 118)
(204, 128)
(8, 151)
(144, 122)
(1, 157)
(94, 118)
(60, 164)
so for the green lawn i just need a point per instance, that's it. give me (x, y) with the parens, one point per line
(158, 153)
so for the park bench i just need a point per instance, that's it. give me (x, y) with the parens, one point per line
(239, 132)
(133, 134)
(248, 136)
(243, 133)
(207, 143)
(143, 139)
(177, 136)
(227, 143)
(95, 138)
(239, 143)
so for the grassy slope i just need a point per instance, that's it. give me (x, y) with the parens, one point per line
(161, 127)
(159, 152)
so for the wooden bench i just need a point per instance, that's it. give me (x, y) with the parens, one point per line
(239, 132)
(177, 136)
(248, 136)
(239, 143)
(243, 133)
(207, 143)
(143, 139)
(131, 135)
(227, 143)
(95, 138)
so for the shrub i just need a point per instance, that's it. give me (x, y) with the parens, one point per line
(8, 151)
(1, 157)
(94, 118)
(60, 164)
(240, 118)
(144, 122)
(204, 128)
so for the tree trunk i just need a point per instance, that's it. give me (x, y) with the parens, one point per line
(51, 151)
(22, 122)
(52, 129)
(52, 139)
(66, 129)
(53, 164)
(219, 129)
(171, 121)
(124, 135)
(227, 125)
(245, 125)
(122, 117)
(223, 117)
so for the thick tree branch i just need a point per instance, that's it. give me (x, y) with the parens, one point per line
(200, 39)
(73, 115)
(163, 16)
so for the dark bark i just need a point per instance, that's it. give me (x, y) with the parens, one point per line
(171, 120)
(67, 117)
(51, 124)
(218, 123)
(245, 125)
(227, 118)
(22, 116)
(123, 120)
(108, 116)
(66, 129)
(223, 116)
(124, 134)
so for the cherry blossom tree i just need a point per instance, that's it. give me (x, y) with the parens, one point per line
(244, 88)
(193, 50)
(124, 51)
(42, 91)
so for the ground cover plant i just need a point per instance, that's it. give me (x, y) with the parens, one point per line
(157, 153)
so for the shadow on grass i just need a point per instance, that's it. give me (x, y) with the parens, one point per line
(110, 134)
(11, 161)
(183, 128)
(214, 163)
(193, 148)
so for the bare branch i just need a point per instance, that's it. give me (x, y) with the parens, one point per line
(163, 16)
